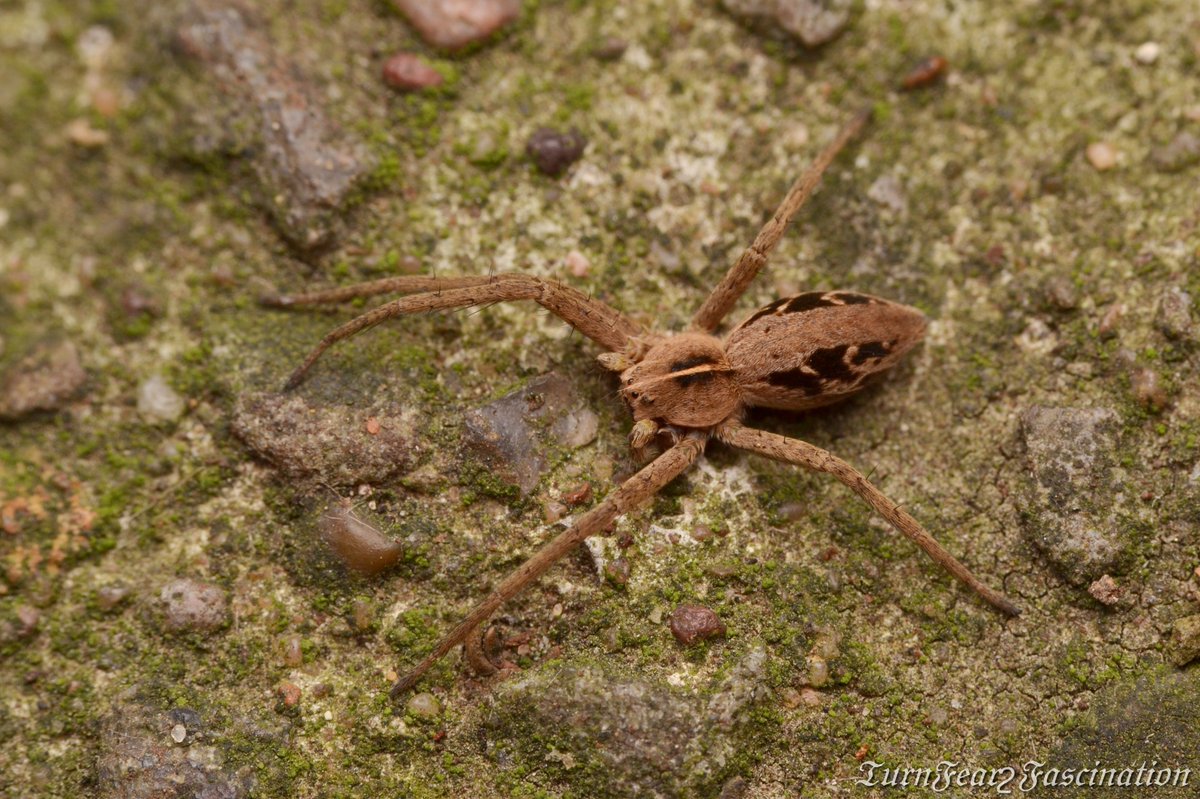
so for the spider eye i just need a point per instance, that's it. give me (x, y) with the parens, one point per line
(634, 394)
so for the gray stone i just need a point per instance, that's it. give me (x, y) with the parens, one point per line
(331, 443)
(157, 401)
(43, 380)
(813, 22)
(193, 606)
(306, 167)
(1069, 507)
(638, 737)
(1174, 316)
(140, 758)
(514, 434)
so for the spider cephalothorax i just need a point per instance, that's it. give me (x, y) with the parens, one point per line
(796, 353)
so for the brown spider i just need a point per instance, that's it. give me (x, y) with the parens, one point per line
(796, 353)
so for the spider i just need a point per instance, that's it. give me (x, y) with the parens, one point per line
(796, 353)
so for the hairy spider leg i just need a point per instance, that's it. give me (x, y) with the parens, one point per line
(801, 453)
(605, 325)
(732, 286)
(637, 489)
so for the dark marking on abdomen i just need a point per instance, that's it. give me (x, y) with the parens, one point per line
(693, 379)
(850, 298)
(830, 363)
(797, 380)
(808, 301)
(694, 361)
(870, 350)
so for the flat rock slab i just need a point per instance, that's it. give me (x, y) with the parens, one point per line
(43, 380)
(514, 434)
(306, 166)
(335, 444)
(1069, 502)
(656, 741)
(150, 754)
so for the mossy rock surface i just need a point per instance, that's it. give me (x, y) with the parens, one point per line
(146, 202)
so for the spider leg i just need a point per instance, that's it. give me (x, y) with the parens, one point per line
(404, 284)
(801, 453)
(643, 485)
(755, 256)
(596, 320)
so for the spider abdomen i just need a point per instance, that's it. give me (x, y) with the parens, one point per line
(819, 347)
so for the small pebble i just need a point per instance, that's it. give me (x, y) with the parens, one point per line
(360, 546)
(409, 72)
(818, 671)
(289, 693)
(552, 511)
(1102, 155)
(1147, 53)
(157, 401)
(925, 73)
(578, 495)
(41, 381)
(691, 623)
(372, 426)
(578, 264)
(178, 733)
(1061, 293)
(81, 132)
(454, 24)
(1174, 315)
(191, 605)
(811, 697)
(1106, 591)
(1110, 320)
(611, 49)
(790, 698)
(424, 705)
(1148, 390)
(1185, 640)
(617, 571)
(108, 597)
(362, 615)
(553, 151)
(888, 192)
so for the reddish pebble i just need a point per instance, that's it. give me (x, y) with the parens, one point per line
(454, 24)
(1106, 591)
(372, 425)
(926, 72)
(617, 571)
(578, 495)
(691, 623)
(408, 73)
(289, 693)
